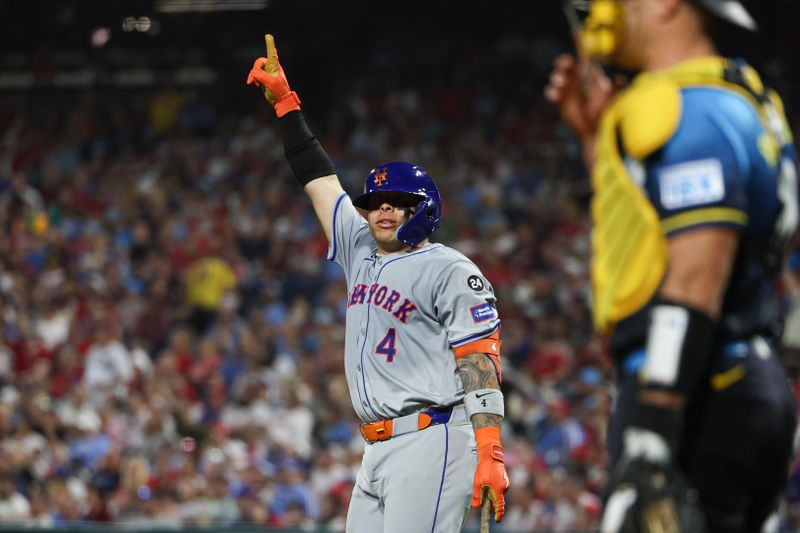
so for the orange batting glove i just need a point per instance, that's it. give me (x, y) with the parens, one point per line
(490, 477)
(268, 75)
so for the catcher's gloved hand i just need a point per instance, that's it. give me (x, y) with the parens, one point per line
(647, 495)
(490, 479)
(268, 75)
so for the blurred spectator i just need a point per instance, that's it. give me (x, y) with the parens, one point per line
(295, 503)
(208, 283)
(91, 445)
(109, 366)
(22, 208)
(97, 509)
(558, 434)
(14, 507)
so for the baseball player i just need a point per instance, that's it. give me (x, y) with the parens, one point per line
(694, 176)
(422, 338)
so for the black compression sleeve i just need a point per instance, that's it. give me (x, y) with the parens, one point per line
(302, 150)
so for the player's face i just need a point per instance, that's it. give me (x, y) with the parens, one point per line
(387, 212)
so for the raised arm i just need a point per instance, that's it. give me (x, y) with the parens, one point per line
(310, 163)
(324, 192)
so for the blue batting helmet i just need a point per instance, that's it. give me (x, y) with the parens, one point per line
(413, 180)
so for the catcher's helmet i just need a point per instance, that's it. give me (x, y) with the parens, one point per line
(600, 24)
(409, 179)
(730, 10)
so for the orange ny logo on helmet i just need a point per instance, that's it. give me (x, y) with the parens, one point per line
(380, 177)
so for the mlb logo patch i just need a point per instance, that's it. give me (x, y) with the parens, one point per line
(482, 312)
(693, 183)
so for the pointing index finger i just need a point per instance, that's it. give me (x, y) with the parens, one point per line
(271, 65)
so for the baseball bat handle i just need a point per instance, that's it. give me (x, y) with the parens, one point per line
(486, 510)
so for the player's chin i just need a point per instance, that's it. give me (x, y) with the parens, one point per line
(384, 235)
(387, 241)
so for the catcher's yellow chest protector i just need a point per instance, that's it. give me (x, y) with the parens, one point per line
(629, 245)
(629, 249)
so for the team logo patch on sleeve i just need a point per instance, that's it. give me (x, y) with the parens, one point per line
(693, 183)
(482, 312)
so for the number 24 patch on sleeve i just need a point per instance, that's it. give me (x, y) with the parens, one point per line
(482, 312)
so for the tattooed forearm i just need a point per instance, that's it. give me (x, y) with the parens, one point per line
(477, 372)
(482, 420)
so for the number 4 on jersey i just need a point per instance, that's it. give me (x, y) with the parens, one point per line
(386, 346)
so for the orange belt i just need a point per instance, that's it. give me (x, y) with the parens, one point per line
(386, 429)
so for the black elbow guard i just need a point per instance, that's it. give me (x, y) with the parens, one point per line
(302, 150)
(679, 346)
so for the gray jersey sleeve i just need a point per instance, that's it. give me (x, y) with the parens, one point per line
(465, 304)
(351, 238)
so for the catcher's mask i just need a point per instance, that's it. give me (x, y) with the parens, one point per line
(414, 181)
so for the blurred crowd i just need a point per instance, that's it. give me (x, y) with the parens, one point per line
(172, 335)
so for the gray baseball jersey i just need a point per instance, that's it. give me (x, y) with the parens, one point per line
(406, 312)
